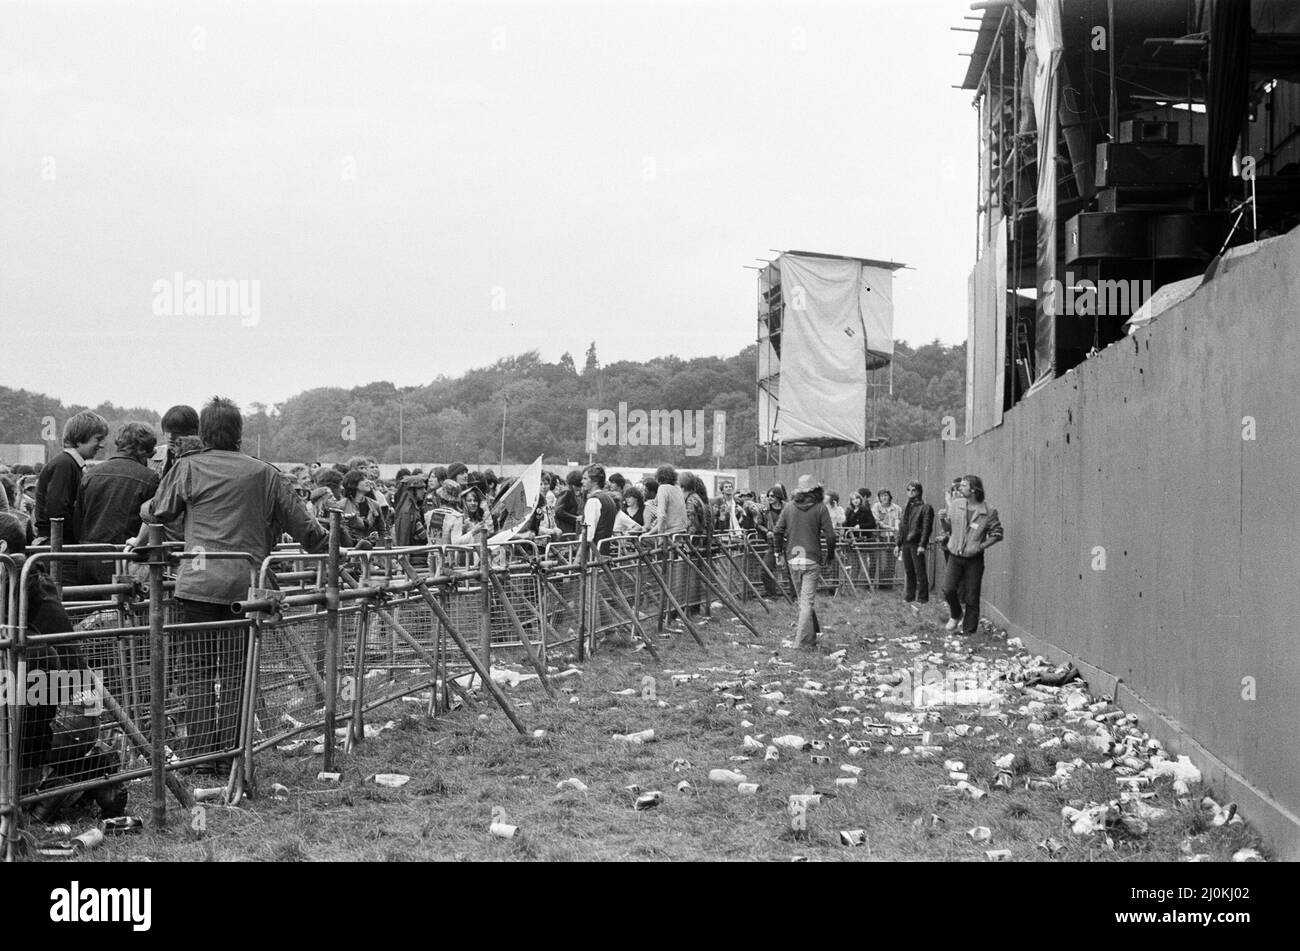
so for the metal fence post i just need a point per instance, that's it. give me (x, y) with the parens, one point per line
(56, 544)
(485, 580)
(582, 597)
(157, 676)
(332, 630)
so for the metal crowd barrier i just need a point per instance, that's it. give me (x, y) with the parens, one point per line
(320, 640)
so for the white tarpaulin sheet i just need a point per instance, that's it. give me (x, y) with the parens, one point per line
(838, 316)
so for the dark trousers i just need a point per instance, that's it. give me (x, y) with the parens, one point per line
(961, 589)
(214, 678)
(918, 579)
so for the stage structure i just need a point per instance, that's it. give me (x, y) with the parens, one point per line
(1123, 146)
(825, 323)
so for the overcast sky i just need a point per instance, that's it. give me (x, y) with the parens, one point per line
(421, 189)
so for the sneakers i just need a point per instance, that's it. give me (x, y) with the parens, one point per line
(952, 624)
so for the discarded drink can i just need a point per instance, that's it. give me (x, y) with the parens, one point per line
(853, 837)
(215, 793)
(846, 781)
(90, 839)
(998, 855)
(851, 769)
(980, 833)
(644, 736)
(503, 831)
(747, 789)
(60, 831)
(727, 776)
(648, 800)
(120, 825)
(820, 760)
(392, 780)
(324, 777)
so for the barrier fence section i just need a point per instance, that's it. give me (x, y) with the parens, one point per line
(137, 684)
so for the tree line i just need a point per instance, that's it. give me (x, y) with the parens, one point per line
(544, 408)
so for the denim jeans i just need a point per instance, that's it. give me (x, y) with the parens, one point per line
(805, 585)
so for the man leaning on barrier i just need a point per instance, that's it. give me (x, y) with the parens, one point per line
(227, 502)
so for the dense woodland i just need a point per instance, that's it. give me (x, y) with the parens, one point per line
(544, 406)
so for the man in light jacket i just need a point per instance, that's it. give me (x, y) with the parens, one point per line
(973, 527)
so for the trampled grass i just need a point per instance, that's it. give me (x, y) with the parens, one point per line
(461, 767)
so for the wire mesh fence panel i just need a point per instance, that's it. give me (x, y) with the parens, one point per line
(8, 669)
(524, 589)
(613, 588)
(563, 588)
(874, 556)
(291, 669)
(77, 726)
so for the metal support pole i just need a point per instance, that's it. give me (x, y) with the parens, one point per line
(582, 595)
(333, 627)
(157, 676)
(56, 544)
(485, 581)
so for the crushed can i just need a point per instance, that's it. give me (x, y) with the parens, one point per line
(853, 837)
(121, 825)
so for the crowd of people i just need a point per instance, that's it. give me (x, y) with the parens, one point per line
(197, 490)
(208, 495)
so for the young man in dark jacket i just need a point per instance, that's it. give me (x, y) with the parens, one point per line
(108, 507)
(59, 483)
(913, 538)
(801, 532)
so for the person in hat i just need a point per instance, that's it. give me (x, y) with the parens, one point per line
(805, 538)
(408, 521)
(448, 505)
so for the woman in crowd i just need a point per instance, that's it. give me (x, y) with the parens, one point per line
(631, 519)
(568, 505)
(859, 515)
(462, 528)
(765, 524)
(361, 513)
(697, 504)
(838, 515)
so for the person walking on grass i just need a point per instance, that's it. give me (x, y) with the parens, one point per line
(973, 528)
(805, 536)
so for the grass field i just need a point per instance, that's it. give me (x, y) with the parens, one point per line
(461, 767)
